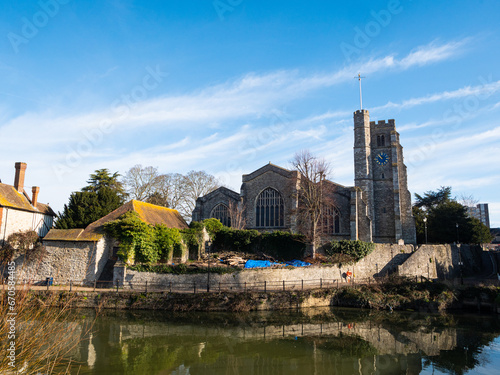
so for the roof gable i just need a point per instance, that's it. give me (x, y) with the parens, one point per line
(10, 197)
(270, 168)
(149, 213)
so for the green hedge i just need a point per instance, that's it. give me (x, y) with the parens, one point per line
(355, 250)
(280, 245)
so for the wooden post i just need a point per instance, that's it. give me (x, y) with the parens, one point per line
(170, 286)
(95, 282)
(146, 286)
(265, 286)
(194, 287)
(70, 285)
(219, 286)
(117, 286)
(245, 286)
(283, 284)
(302, 284)
(321, 283)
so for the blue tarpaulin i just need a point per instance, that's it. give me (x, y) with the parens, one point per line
(266, 264)
(259, 264)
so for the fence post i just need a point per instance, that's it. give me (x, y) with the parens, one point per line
(283, 284)
(321, 283)
(302, 284)
(194, 286)
(245, 286)
(219, 286)
(70, 285)
(170, 286)
(117, 286)
(337, 283)
(146, 286)
(265, 286)
(95, 282)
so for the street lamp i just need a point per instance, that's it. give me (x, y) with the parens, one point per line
(458, 237)
(425, 225)
(208, 245)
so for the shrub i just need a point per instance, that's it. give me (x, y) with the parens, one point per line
(283, 245)
(213, 226)
(280, 245)
(353, 249)
(27, 243)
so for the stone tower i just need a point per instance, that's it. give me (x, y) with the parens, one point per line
(379, 172)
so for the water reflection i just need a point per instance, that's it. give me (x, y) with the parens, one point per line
(319, 341)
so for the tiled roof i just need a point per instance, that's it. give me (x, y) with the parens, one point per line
(149, 213)
(10, 197)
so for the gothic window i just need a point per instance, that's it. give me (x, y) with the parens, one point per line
(269, 209)
(331, 220)
(221, 212)
(380, 140)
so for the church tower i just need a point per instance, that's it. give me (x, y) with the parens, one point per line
(380, 174)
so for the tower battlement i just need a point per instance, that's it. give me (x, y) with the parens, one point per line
(390, 122)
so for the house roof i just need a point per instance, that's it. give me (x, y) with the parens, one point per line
(149, 213)
(10, 197)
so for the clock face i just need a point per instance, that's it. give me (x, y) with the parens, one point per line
(382, 158)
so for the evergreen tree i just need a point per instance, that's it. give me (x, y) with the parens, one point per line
(443, 215)
(103, 195)
(103, 179)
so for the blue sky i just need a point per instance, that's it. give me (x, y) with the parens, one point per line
(227, 86)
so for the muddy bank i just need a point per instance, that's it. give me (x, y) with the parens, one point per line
(429, 297)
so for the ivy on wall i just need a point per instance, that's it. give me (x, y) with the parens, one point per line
(140, 242)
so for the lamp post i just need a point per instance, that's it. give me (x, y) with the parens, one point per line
(458, 236)
(208, 245)
(425, 226)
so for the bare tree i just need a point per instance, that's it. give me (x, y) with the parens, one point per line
(171, 190)
(468, 200)
(196, 184)
(171, 187)
(237, 215)
(141, 182)
(314, 194)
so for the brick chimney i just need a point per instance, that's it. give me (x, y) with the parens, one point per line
(35, 190)
(19, 179)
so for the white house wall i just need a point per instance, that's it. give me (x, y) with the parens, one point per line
(16, 220)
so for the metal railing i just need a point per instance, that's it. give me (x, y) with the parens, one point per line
(196, 286)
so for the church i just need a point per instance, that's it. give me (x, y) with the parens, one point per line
(376, 209)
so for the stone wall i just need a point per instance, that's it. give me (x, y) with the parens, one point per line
(66, 261)
(382, 261)
(442, 261)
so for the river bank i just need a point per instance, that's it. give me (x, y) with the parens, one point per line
(402, 295)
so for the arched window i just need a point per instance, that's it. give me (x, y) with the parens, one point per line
(380, 140)
(269, 209)
(221, 212)
(331, 220)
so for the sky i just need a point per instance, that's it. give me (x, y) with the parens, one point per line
(227, 86)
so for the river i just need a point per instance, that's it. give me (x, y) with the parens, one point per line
(315, 341)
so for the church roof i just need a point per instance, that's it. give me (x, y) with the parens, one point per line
(221, 190)
(266, 168)
(149, 213)
(11, 198)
